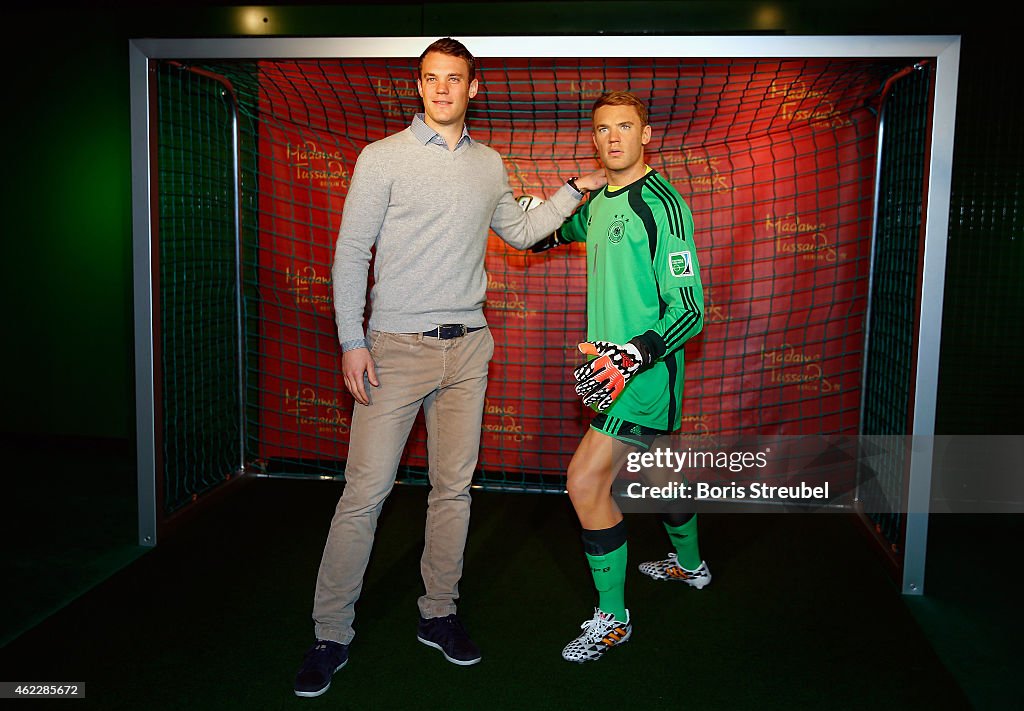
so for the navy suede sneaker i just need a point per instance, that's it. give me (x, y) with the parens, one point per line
(448, 635)
(321, 661)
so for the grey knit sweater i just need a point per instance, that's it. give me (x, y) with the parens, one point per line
(427, 210)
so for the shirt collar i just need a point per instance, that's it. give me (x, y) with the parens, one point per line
(425, 134)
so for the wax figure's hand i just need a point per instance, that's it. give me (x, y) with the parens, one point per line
(603, 379)
(550, 242)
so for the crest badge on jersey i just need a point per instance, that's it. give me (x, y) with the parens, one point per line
(680, 264)
(617, 229)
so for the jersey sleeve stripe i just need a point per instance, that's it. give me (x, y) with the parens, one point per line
(672, 207)
(681, 209)
(681, 329)
(684, 328)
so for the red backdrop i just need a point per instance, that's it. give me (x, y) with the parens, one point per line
(775, 159)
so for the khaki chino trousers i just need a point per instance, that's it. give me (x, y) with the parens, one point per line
(448, 379)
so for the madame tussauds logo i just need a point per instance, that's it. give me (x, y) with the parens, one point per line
(795, 236)
(308, 287)
(504, 425)
(786, 365)
(324, 414)
(507, 299)
(324, 168)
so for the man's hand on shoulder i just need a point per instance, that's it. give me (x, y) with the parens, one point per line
(592, 181)
(358, 368)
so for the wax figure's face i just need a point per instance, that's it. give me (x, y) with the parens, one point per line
(446, 89)
(620, 137)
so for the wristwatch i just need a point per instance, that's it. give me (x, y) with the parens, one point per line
(572, 184)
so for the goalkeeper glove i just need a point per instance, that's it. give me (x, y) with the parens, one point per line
(553, 240)
(603, 379)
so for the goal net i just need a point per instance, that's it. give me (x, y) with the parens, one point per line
(777, 156)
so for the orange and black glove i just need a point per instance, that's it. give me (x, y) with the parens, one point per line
(603, 379)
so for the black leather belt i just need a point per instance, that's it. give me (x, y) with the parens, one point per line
(451, 330)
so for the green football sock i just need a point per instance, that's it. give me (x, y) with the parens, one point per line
(684, 540)
(609, 571)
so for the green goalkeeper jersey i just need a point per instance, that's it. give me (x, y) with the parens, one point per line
(642, 280)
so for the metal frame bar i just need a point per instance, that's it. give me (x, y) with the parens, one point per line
(933, 282)
(142, 256)
(944, 48)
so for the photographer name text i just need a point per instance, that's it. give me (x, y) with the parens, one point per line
(706, 491)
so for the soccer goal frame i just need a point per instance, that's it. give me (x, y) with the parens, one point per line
(942, 51)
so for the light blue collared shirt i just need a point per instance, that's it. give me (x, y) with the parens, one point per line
(425, 134)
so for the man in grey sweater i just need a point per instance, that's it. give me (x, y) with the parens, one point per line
(424, 198)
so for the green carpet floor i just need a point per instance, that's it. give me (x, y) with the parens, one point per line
(971, 609)
(801, 615)
(70, 521)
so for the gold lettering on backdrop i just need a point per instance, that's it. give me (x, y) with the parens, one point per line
(794, 93)
(795, 90)
(509, 302)
(586, 88)
(392, 92)
(717, 183)
(308, 151)
(788, 366)
(301, 285)
(696, 428)
(507, 427)
(493, 283)
(786, 354)
(681, 167)
(491, 409)
(713, 313)
(825, 115)
(325, 169)
(392, 108)
(311, 409)
(808, 239)
(306, 276)
(517, 174)
(512, 304)
(689, 157)
(404, 88)
(571, 355)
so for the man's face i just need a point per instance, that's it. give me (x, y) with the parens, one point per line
(446, 89)
(619, 137)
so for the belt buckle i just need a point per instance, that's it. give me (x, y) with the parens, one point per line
(448, 331)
